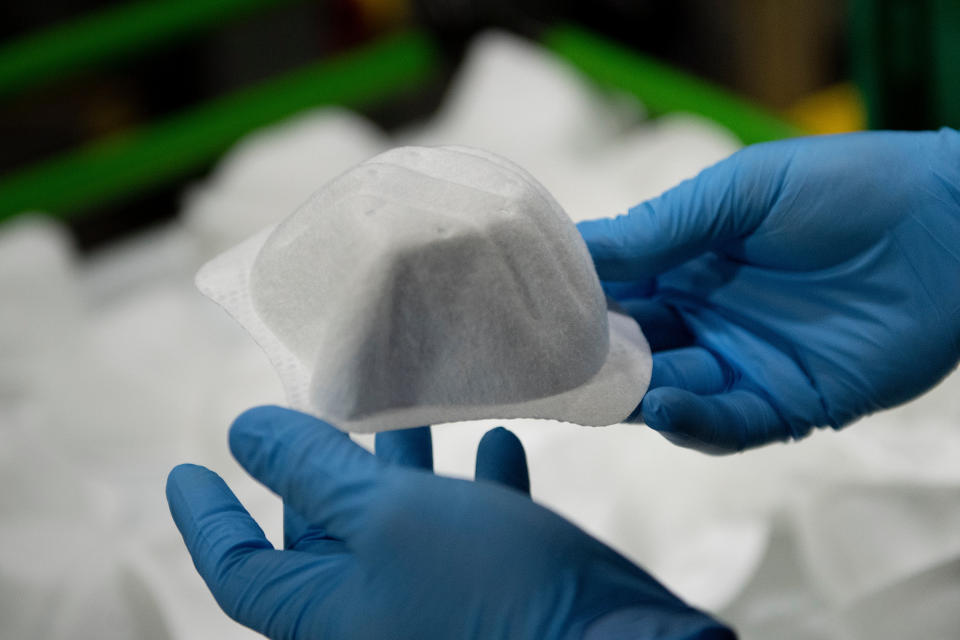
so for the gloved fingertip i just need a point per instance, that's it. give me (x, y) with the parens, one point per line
(246, 433)
(681, 417)
(406, 447)
(654, 413)
(252, 427)
(252, 421)
(183, 468)
(502, 459)
(184, 474)
(500, 437)
(603, 237)
(256, 418)
(593, 229)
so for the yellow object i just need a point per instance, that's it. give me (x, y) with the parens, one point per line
(384, 13)
(836, 109)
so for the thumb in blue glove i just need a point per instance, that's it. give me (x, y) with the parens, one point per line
(796, 284)
(379, 547)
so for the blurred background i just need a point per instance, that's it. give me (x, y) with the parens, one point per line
(140, 139)
(77, 74)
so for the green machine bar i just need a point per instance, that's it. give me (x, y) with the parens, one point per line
(663, 89)
(946, 60)
(89, 40)
(120, 165)
(905, 55)
(123, 164)
(892, 56)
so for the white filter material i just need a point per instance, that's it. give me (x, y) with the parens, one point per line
(650, 151)
(39, 302)
(144, 361)
(163, 255)
(271, 172)
(638, 165)
(516, 99)
(433, 285)
(780, 601)
(860, 538)
(924, 605)
(67, 581)
(36, 480)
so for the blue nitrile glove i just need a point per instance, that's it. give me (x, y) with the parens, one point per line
(795, 284)
(379, 547)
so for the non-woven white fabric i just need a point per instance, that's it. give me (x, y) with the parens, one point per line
(432, 285)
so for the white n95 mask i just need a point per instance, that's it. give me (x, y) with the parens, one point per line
(431, 285)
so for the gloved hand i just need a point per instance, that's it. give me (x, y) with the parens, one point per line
(379, 547)
(795, 284)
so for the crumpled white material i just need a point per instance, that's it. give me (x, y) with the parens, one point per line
(433, 285)
(269, 173)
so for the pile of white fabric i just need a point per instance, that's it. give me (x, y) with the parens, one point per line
(113, 369)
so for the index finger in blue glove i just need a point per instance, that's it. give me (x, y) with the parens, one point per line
(219, 533)
(254, 584)
(322, 474)
(716, 424)
(692, 368)
(214, 525)
(406, 447)
(501, 458)
(724, 202)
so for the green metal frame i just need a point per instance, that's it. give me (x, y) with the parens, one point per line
(128, 29)
(121, 165)
(124, 164)
(663, 89)
(905, 55)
